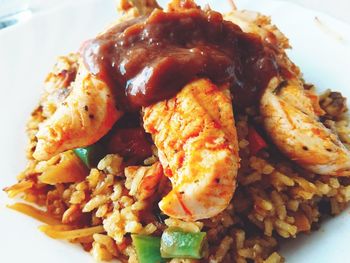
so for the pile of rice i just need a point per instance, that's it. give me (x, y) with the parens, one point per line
(275, 198)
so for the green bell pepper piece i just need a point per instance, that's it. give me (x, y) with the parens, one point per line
(147, 248)
(89, 155)
(176, 243)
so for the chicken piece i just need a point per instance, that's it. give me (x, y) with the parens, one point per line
(57, 87)
(58, 83)
(142, 6)
(289, 112)
(86, 115)
(78, 121)
(197, 145)
(253, 22)
(256, 23)
(292, 123)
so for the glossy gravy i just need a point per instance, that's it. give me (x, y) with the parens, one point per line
(148, 59)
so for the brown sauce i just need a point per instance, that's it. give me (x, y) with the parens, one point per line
(149, 59)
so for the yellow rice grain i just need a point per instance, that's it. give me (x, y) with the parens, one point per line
(268, 169)
(126, 201)
(135, 176)
(226, 219)
(279, 179)
(107, 242)
(224, 247)
(95, 202)
(279, 205)
(128, 214)
(257, 249)
(299, 192)
(322, 188)
(77, 197)
(335, 209)
(113, 226)
(133, 227)
(290, 219)
(93, 178)
(285, 229)
(274, 258)
(263, 203)
(117, 192)
(100, 252)
(131, 254)
(102, 210)
(116, 205)
(148, 229)
(346, 193)
(104, 184)
(306, 185)
(150, 160)
(67, 194)
(82, 186)
(268, 227)
(332, 192)
(251, 178)
(246, 253)
(268, 242)
(239, 239)
(111, 164)
(334, 182)
(138, 205)
(71, 214)
(293, 205)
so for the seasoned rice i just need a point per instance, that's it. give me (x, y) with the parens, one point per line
(274, 199)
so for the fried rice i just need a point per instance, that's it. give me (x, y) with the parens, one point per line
(275, 198)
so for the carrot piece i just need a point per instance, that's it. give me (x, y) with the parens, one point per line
(301, 222)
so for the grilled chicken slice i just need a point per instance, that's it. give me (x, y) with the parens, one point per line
(291, 120)
(84, 117)
(197, 144)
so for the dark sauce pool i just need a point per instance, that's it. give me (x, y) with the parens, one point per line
(148, 59)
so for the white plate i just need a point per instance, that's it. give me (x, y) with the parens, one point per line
(27, 52)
